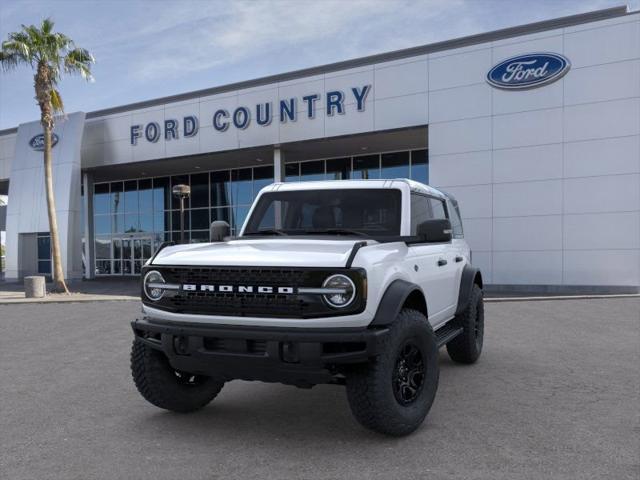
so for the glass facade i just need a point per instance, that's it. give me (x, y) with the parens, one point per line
(132, 218)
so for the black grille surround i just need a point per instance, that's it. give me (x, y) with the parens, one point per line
(268, 305)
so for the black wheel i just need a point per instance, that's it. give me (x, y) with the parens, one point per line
(467, 347)
(166, 387)
(394, 393)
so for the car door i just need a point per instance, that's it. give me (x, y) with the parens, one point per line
(448, 261)
(431, 264)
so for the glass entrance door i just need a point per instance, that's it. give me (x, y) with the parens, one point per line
(130, 253)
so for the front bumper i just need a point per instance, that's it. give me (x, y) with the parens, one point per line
(296, 356)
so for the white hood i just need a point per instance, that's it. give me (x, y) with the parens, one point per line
(271, 252)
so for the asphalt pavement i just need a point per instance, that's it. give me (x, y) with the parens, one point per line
(556, 394)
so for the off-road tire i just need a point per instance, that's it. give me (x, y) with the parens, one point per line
(467, 347)
(164, 387)
(370, 387)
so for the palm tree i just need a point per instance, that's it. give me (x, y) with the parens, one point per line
(50, 55)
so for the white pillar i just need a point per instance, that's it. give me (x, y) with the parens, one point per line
(278, 165)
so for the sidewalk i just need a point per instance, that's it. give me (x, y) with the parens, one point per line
(104, 289)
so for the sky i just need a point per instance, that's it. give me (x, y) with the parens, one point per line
(150, 49)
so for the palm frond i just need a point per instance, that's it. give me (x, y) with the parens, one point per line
(79, 61)
(56, 101)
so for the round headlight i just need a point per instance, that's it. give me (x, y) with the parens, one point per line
(345, 291)
(151, 287)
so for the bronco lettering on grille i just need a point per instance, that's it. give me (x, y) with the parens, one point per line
(192, 287)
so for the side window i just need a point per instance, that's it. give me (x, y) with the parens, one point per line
(420, 211)
(456, 222)
(438, 209)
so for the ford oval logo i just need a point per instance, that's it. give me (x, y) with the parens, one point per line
(528, 71)
(37, 142)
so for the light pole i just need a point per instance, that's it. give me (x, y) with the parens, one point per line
(182, 192)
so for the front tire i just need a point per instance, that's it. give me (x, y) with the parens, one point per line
(467, 347)
(393, 394)
(165, 387)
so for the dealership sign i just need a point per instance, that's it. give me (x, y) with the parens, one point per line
(528, 71)
(37, 142)
(260, 114)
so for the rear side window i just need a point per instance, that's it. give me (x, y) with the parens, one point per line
(425, 208)
(456, 222)
(420, 211)
(438, 208)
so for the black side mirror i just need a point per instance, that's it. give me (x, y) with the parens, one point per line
(219, 230)
(435, 231)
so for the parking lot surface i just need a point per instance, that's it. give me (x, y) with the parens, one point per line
(556, 395)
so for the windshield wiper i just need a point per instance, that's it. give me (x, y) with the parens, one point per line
(337, 231)
(266, 231)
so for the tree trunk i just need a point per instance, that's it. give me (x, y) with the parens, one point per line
(59, 284)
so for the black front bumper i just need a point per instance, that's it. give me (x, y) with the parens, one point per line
(301, 357)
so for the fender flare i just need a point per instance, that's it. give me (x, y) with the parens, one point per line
(470, 276)
(392, 301)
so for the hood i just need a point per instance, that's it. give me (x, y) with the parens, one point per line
(271, 252)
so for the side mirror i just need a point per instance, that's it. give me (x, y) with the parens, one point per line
(219, 230)
(435, 231)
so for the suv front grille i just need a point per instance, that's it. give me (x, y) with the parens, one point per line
(252, 304)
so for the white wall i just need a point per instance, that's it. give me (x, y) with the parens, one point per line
(548, 179)
(27, 206)
(7, 151)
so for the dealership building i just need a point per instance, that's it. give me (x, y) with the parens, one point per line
(535, 129)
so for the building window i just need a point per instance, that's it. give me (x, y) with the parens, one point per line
(44, 253)
(144, 211)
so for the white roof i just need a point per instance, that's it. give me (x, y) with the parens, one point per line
(398, 183)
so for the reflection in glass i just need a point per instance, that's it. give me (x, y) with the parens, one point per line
(200, 218)
(366, 167)
(161, 194)
(420, 166)
(131, 223)
(241, 189)
(199, 236)
(339, 169)
(262, 176)
(146, 222)
(395, 165)
(116, 197)
(220, 194)
(223, 214)
(161, 222)
(131, 203)
(292, 172)
(101, 198)
(145, 195)
(175, 220)
(103, 247)
(312, 171)
(200, 190)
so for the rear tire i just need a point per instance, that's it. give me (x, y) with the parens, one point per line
(163, 386)
(467, 347)
(393, 394)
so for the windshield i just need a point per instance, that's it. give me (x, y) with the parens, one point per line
(373, 212)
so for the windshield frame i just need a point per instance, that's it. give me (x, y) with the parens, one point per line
(336, 233)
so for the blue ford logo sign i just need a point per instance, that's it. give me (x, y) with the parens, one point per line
(528, 71)
(37, 142)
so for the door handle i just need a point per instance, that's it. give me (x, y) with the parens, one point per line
(459, 259)
(442, 262)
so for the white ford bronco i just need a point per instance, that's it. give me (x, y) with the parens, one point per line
(355, 283)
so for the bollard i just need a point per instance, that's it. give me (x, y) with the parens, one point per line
(34, 287)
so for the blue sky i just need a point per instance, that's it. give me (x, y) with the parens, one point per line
(149, 49)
